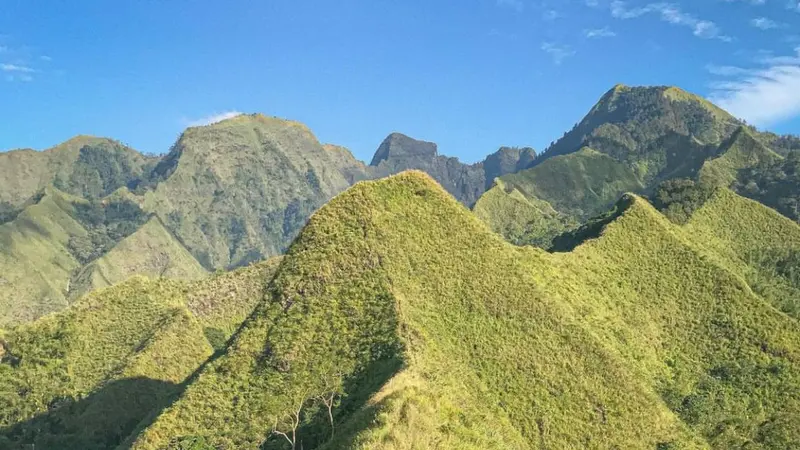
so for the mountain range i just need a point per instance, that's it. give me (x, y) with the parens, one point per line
(635, 285)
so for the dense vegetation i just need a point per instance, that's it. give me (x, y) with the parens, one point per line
(676, 352)
(107, 223)
(639, 138)
(87, 377)
(775, 184)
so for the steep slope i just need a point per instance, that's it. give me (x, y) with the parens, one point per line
(519, 218)
(646, 135)
(151, 251)
(775, 184)
(466, 182)
(35, 260)
(85, 166)
(86, 377)
(222, 302)
(574, 187)
(639, 126)
(239, 190)
(740, 152)
(754, 242)
(397, 320)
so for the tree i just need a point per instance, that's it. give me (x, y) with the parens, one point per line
(162, 263)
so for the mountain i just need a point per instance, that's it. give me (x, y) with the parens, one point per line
(225, 195)
(237, 191)
(87, 377)
(85, 166)
(398, 320)
(466, 182)
(632, 140)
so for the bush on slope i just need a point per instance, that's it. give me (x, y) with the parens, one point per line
(85, 378)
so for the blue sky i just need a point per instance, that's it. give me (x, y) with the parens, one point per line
(471, 75)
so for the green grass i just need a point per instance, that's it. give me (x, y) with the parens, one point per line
(89, 376)
(86, 377)
(535, 205)
(638, 338)
(35, 262)
(741, 151)
(151, 251)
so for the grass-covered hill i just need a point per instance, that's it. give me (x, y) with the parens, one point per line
(87, 377)
(398, 320)
(633, 140)
(62, 246)
(85, 166)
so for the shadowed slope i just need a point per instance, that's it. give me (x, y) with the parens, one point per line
(138, 334)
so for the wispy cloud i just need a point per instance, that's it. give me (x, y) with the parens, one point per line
(672, 14)
(16, 68)
(764, 95)
(513, 4)
(559, 52)
(597, 33)
(752, 2)
(551, 14)
(214, 118)
(764, 23)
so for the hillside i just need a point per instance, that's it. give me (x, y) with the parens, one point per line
(494, 346)
(639, 126)
(150, 251)
(85, 166)
(88, 376)
(35, 260)
(641, 137)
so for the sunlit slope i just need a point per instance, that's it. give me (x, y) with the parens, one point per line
(221, 302)
(521, 219)
(84, 165)
(239, 190)
(535, 205)
(85, 378)
(151, 251)
(35, 263)
(754, 242)
(634, 340)
(741, 151)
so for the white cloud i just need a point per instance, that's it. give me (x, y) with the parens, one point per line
(764, 23)
(551, 15)
(599, 33)
(559, 52)
(763, 96)
(672, 14)
(214, 118)
(16, 68)
(752, 2)
(513, 4)
(45, 58)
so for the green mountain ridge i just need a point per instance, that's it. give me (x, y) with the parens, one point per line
(88, 376)
(641, 138)
(346, 304)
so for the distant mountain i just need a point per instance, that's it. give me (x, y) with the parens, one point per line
(85, 166)
(466, 182)
(634, 139)
(225, 195)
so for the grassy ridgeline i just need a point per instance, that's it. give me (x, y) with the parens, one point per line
(88, 376)
(427, 331)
